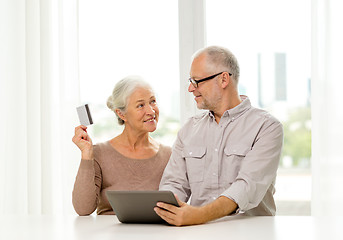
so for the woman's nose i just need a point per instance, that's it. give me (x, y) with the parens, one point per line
(150, 109)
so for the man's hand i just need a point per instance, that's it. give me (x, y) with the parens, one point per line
(190, 215)
(180, 216)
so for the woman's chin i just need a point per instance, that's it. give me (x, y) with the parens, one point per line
(151, 129)
(151, 126)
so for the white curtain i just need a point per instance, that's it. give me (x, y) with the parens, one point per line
(39, 90)
(327, 110)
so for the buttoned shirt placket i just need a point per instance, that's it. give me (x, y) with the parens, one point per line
(215, 159)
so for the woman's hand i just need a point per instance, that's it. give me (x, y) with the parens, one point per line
(83, 142)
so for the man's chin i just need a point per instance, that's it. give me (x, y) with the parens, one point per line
(201, 106)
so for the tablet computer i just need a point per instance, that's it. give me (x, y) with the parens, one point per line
(138, 206)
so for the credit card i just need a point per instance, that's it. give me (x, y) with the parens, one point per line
(84, 115)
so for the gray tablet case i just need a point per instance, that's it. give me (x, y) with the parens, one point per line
(138, 206)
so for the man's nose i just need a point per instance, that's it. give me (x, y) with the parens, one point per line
(191, 88)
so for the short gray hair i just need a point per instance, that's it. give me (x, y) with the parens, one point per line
(122, 92)
(220, 57)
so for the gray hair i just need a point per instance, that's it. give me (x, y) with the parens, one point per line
(220, 57)
(122, 92)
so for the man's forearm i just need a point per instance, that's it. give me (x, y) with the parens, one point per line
(221, 207)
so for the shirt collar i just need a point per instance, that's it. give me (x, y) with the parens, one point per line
(237, 111)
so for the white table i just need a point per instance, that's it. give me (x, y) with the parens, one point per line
(108, 227)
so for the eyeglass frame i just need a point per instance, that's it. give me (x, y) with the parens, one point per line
(195, 83)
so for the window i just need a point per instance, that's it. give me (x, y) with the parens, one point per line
(120, 38)
(270, 38)
(272, 42)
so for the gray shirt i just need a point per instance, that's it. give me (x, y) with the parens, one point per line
(237, 158)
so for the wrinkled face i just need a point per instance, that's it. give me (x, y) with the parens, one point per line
(207, 94)
(142, 112)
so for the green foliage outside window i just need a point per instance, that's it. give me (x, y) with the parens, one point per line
(297, 138)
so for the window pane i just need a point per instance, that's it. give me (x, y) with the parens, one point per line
(272, 42)
(132, 37)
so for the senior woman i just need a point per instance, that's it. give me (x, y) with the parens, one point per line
(133, 160)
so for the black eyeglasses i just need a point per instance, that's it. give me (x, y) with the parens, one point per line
(195, 83)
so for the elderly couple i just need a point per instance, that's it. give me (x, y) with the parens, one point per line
(224, 159)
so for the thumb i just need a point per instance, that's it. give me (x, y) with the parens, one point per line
(179, 201)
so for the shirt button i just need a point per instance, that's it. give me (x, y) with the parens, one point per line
(214, 198)
(216, 150)
(190, 153)
(214, 174)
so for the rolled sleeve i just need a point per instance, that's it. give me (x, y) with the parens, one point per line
(258, 170)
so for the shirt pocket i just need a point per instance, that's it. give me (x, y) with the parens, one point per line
(234, 155)
(195, 163)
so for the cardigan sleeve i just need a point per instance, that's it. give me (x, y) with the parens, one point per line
(87, 187)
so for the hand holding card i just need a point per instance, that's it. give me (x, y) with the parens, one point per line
(83, 141)
(81, 138)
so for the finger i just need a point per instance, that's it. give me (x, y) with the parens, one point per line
(80, 128)
(179, 201)
(82, 135)
(165, 215)
(84, 128)
(170, 221)
(171, 208)
(86, 142)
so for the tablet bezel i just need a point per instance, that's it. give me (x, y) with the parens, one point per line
(138, 206)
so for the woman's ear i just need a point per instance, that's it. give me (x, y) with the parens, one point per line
(121, 115)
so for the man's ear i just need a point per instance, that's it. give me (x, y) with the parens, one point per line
(121, 115)
(225, 80)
